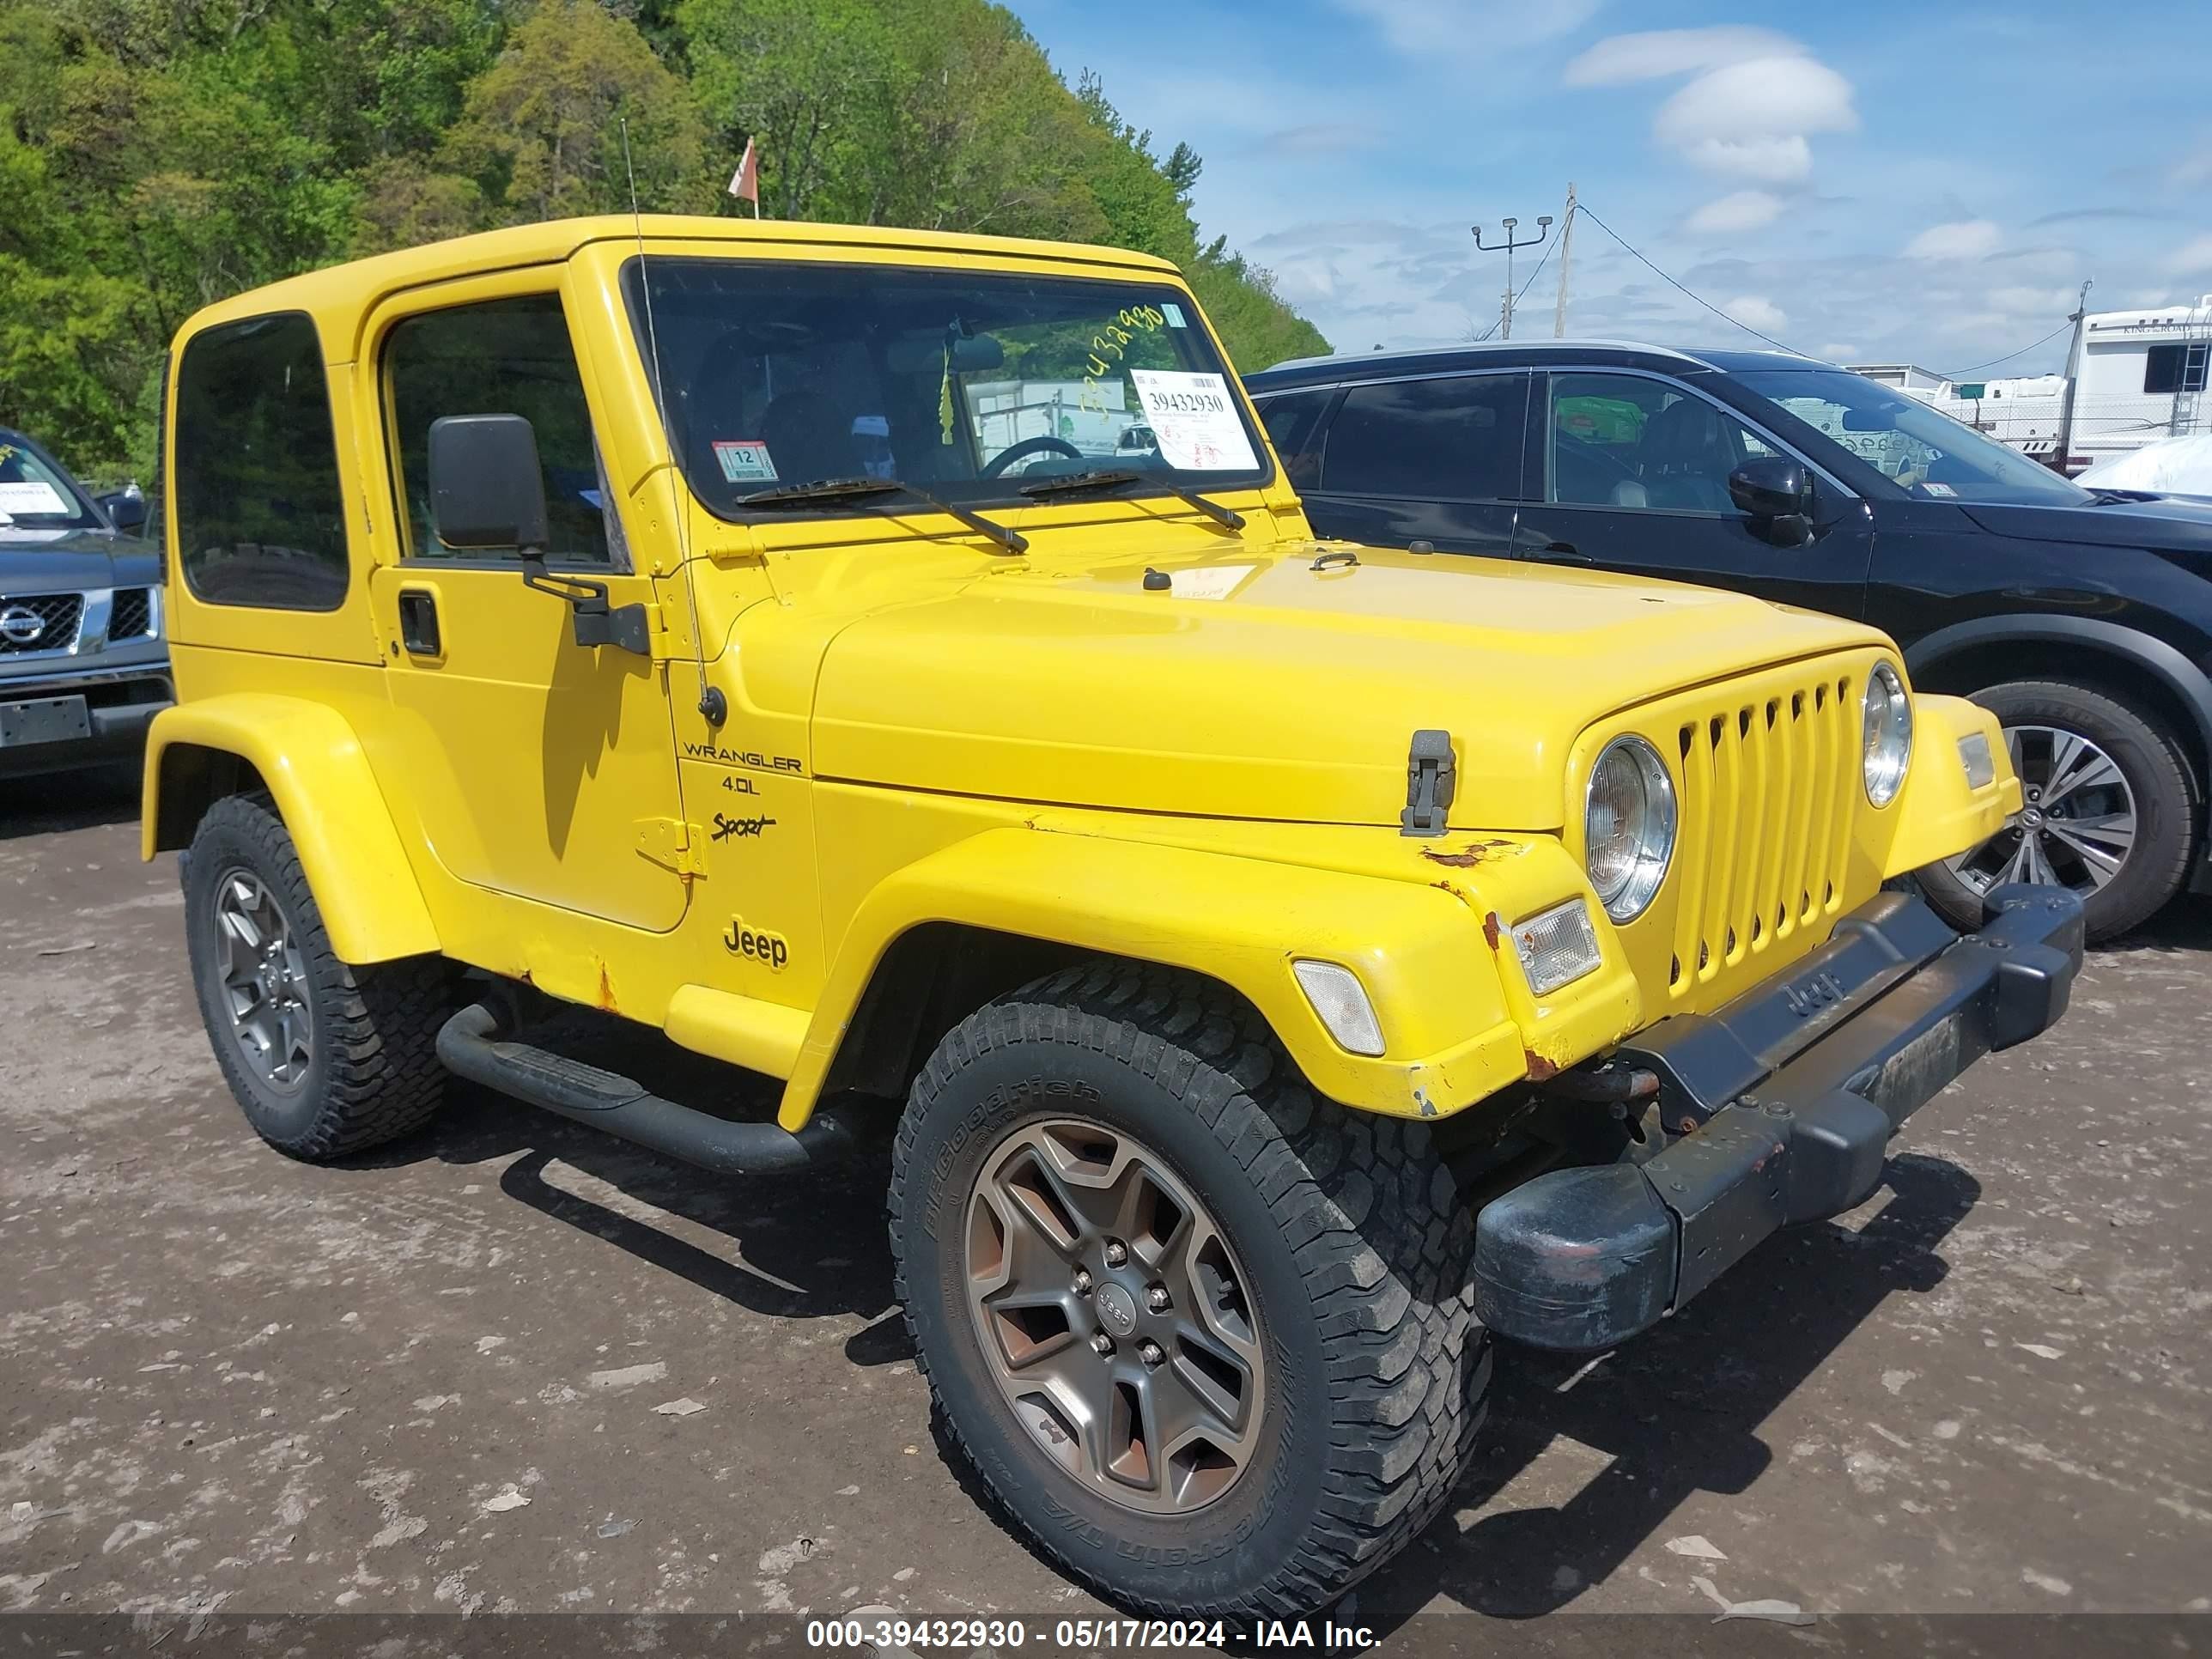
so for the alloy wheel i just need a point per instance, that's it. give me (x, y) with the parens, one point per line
(1113, 1316)
(264, 980)
(2077, 821)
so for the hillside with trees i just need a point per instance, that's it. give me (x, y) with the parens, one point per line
(158, 155)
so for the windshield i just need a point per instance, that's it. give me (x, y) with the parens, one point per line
(967, 383)
(1927, 454)
(36, 495)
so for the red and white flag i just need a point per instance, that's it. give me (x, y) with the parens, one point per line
(745, 183)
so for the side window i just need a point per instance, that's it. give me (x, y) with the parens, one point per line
(502, 357)
(260, 520)
(2175, 368)
(1628, 440)
(1293, 423)
(1456, 438)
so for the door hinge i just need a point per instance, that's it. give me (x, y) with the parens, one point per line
(673, 845)
(1431, 783)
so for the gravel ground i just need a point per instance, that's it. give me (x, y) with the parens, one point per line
(512, 1365)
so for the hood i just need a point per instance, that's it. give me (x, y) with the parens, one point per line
(46, 561)
(2155, 521)
(1257, 687)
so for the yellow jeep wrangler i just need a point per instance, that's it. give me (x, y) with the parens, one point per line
(896, 663)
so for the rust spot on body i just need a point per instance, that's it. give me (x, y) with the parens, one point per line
(1539, 1069)
(606, 990)
(1479, 852)
(1492, 929)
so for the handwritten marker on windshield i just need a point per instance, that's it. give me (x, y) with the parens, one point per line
(745, 183)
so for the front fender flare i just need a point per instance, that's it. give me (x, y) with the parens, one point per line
(1450, 1037)
(312, 764)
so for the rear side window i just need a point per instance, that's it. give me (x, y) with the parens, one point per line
(260, 520)
(1454, 438)
(1293, 422)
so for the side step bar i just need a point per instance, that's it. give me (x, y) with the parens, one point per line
(470, 1044)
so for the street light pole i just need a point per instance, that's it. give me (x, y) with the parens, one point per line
(1543, 226)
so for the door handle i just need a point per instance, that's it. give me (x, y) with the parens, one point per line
(419, 622)
(1565, 553)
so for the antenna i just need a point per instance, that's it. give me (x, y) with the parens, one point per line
(713, 705)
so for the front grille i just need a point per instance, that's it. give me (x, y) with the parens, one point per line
(132, 617)
(58, 615)
(1769, 781)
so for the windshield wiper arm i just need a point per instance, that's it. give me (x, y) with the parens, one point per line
(1115, 478)
(832, 490)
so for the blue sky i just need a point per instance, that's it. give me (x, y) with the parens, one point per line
(1866, 181)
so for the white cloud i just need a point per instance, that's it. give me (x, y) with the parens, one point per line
(1743, 210)
(1754, 99)
(1833, 353)
(1962, 239)
(1656, 53)
(1756, 311)
(2192, 259)
(2032, 302)
(1469, 26)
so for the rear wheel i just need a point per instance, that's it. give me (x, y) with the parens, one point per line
(1209, 1340)
(2106, 810)
(324, 1058)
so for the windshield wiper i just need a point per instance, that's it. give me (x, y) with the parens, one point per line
(1115, 478)
(835, 489)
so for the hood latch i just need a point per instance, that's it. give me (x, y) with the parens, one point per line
(1431, 782)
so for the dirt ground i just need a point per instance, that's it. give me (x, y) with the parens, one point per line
(453, 1376)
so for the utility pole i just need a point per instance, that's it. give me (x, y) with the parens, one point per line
(2073, 375)
(1566, 252)
(1543, 225)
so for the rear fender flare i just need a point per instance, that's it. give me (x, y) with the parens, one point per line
(312, 763)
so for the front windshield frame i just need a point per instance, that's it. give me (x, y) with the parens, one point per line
(2002, 477)
(45, 469)
(877, 436)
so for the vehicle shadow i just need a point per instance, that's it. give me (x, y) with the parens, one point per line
(1677, 1411)
(55, 803)
(806, 1245)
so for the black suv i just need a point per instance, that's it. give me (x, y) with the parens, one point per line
(2082, 619)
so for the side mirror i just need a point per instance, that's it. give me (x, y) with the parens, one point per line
(486, 488)
(1775, 493)
(125, 510)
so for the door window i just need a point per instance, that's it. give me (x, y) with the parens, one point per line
(502, 357)
(1293, 422)
(260, 520)
(1454, 438)
(1629, 440)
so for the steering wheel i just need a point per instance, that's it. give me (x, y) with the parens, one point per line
(1021, 452)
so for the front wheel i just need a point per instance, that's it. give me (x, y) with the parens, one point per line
(2106, 810)
(1209, 1341)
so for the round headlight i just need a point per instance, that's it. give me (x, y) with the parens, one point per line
(1628, 826)
(1887, 728)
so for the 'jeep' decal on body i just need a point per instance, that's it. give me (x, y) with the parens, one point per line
(740, 940)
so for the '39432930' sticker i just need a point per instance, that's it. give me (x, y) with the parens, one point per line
(1193, 418)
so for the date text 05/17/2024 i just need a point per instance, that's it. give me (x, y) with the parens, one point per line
(1080, 1635)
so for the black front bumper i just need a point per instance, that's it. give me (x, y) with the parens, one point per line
(1795, 1089)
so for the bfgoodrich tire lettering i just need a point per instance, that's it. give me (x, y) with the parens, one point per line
(373, 1073)
(1346, 1226)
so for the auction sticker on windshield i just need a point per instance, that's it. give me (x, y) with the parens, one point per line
(1193, 416)
(35, 496)
(745, 460)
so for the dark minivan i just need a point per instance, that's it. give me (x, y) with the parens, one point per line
(2084, 619)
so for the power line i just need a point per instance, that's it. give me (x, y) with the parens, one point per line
(1955, 373)
(1583, 207)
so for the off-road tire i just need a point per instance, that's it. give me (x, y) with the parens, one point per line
(1355, 1241)
(374, 1076)
(2150, 760)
